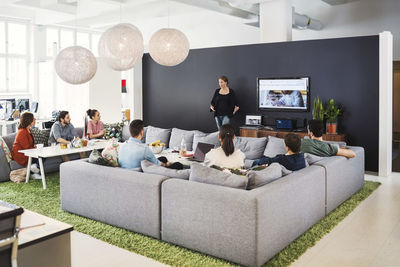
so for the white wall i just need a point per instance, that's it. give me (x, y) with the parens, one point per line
(105, 93)
(364, 17)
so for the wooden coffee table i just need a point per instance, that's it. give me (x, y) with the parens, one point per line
(56, 151)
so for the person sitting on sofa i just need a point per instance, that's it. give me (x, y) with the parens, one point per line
(133, 151)
(24, 140)
(225, 156)
(293, 160)
(94, 128)
(316, 146)
(62, 130)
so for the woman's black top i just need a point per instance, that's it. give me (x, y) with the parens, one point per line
(224, 104)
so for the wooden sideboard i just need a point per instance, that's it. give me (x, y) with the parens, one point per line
(262, 132)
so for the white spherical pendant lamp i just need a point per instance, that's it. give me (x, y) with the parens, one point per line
(75, 65)
(169, 47)
(121, 46)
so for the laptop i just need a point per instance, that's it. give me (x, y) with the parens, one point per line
(253, 121)
(201, 150)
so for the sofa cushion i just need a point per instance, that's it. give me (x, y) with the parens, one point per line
(6, 149)
(253, 148)
(265, 176)
(110, 153)
(41, 136)
(95, 157)
(149, 167)
(210, 138)
(9, 139)
(275, 146)
(311, 159)
(176, 138)
(125, 133)
(113, 130)
(155, 133)
(4, 167)
(203, 174)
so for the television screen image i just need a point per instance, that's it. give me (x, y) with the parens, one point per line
(283, 94)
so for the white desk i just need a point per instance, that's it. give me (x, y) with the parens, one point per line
(4, 125)
(44, 245)
(55, 151)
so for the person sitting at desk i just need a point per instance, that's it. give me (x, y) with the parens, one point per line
(24, 140)
(94, 127)
(62, 131)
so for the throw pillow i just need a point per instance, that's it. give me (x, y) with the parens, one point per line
(149, 167)
(265, 176)
(96, 158)
(125, 133)
(275, 146)
(110, 153)
(253, 148)
(176, 138)
(155, 133)
(6, 150)
(203, 174)
(113, 130)
(41, 136)
(4, 167)
(211, 138)
(311, 159)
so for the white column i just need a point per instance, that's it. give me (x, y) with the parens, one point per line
(385, 103)
(137, 92)
(275, 21)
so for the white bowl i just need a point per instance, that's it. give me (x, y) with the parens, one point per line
(156, 149)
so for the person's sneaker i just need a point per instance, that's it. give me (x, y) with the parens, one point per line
(34, 168)
(36, 176)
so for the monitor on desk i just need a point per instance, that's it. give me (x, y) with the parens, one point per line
(22, 104)
(5, 109)
(34, 107)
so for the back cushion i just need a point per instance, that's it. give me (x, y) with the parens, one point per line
(41, 136)
(125, 133)
(275, 146)
(253, 148)
(9, 139)
(211, 138)
(176, 138)
(154, 134)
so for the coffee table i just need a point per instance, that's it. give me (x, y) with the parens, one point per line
(55, 151)
(175, 157)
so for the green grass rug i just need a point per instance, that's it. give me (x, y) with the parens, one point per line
(47, 202)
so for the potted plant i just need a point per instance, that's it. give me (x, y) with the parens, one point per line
(331, 113)
(318, 110)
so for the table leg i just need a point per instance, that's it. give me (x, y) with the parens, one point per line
(28, 169)
(42, 172)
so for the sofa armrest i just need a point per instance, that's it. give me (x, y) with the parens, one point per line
(4, 166)
(116, 196)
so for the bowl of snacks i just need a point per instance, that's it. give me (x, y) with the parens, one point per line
(157, 147)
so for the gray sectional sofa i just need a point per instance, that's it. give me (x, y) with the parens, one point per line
(243, 226)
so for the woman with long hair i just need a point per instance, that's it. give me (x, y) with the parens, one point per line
(226, 155)
(94, 128)
(224, 103)
(24, 140)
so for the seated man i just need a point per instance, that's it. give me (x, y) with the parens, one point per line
(133, 151)
(62, 130)
(317, 147)
(293, 160)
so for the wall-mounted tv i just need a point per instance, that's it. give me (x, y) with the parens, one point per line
(283, 94)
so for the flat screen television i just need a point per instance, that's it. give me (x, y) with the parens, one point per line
(283, 94)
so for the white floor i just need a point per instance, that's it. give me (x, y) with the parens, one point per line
(369, 236)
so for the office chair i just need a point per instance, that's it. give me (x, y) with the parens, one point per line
(10, 220)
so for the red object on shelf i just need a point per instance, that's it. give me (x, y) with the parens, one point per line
(123, 86)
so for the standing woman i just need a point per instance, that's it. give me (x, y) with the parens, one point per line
(24, 140)
(94, 127)
(224, 103)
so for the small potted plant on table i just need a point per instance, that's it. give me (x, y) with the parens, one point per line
(331, 113)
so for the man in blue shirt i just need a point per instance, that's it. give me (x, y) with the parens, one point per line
(133, 151)
(62, 130)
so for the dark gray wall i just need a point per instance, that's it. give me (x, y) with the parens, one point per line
(345, 69)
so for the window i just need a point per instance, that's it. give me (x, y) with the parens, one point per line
(66, 39)
(83, 40)
(14, 56)
(95, 44)
(51, 42)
